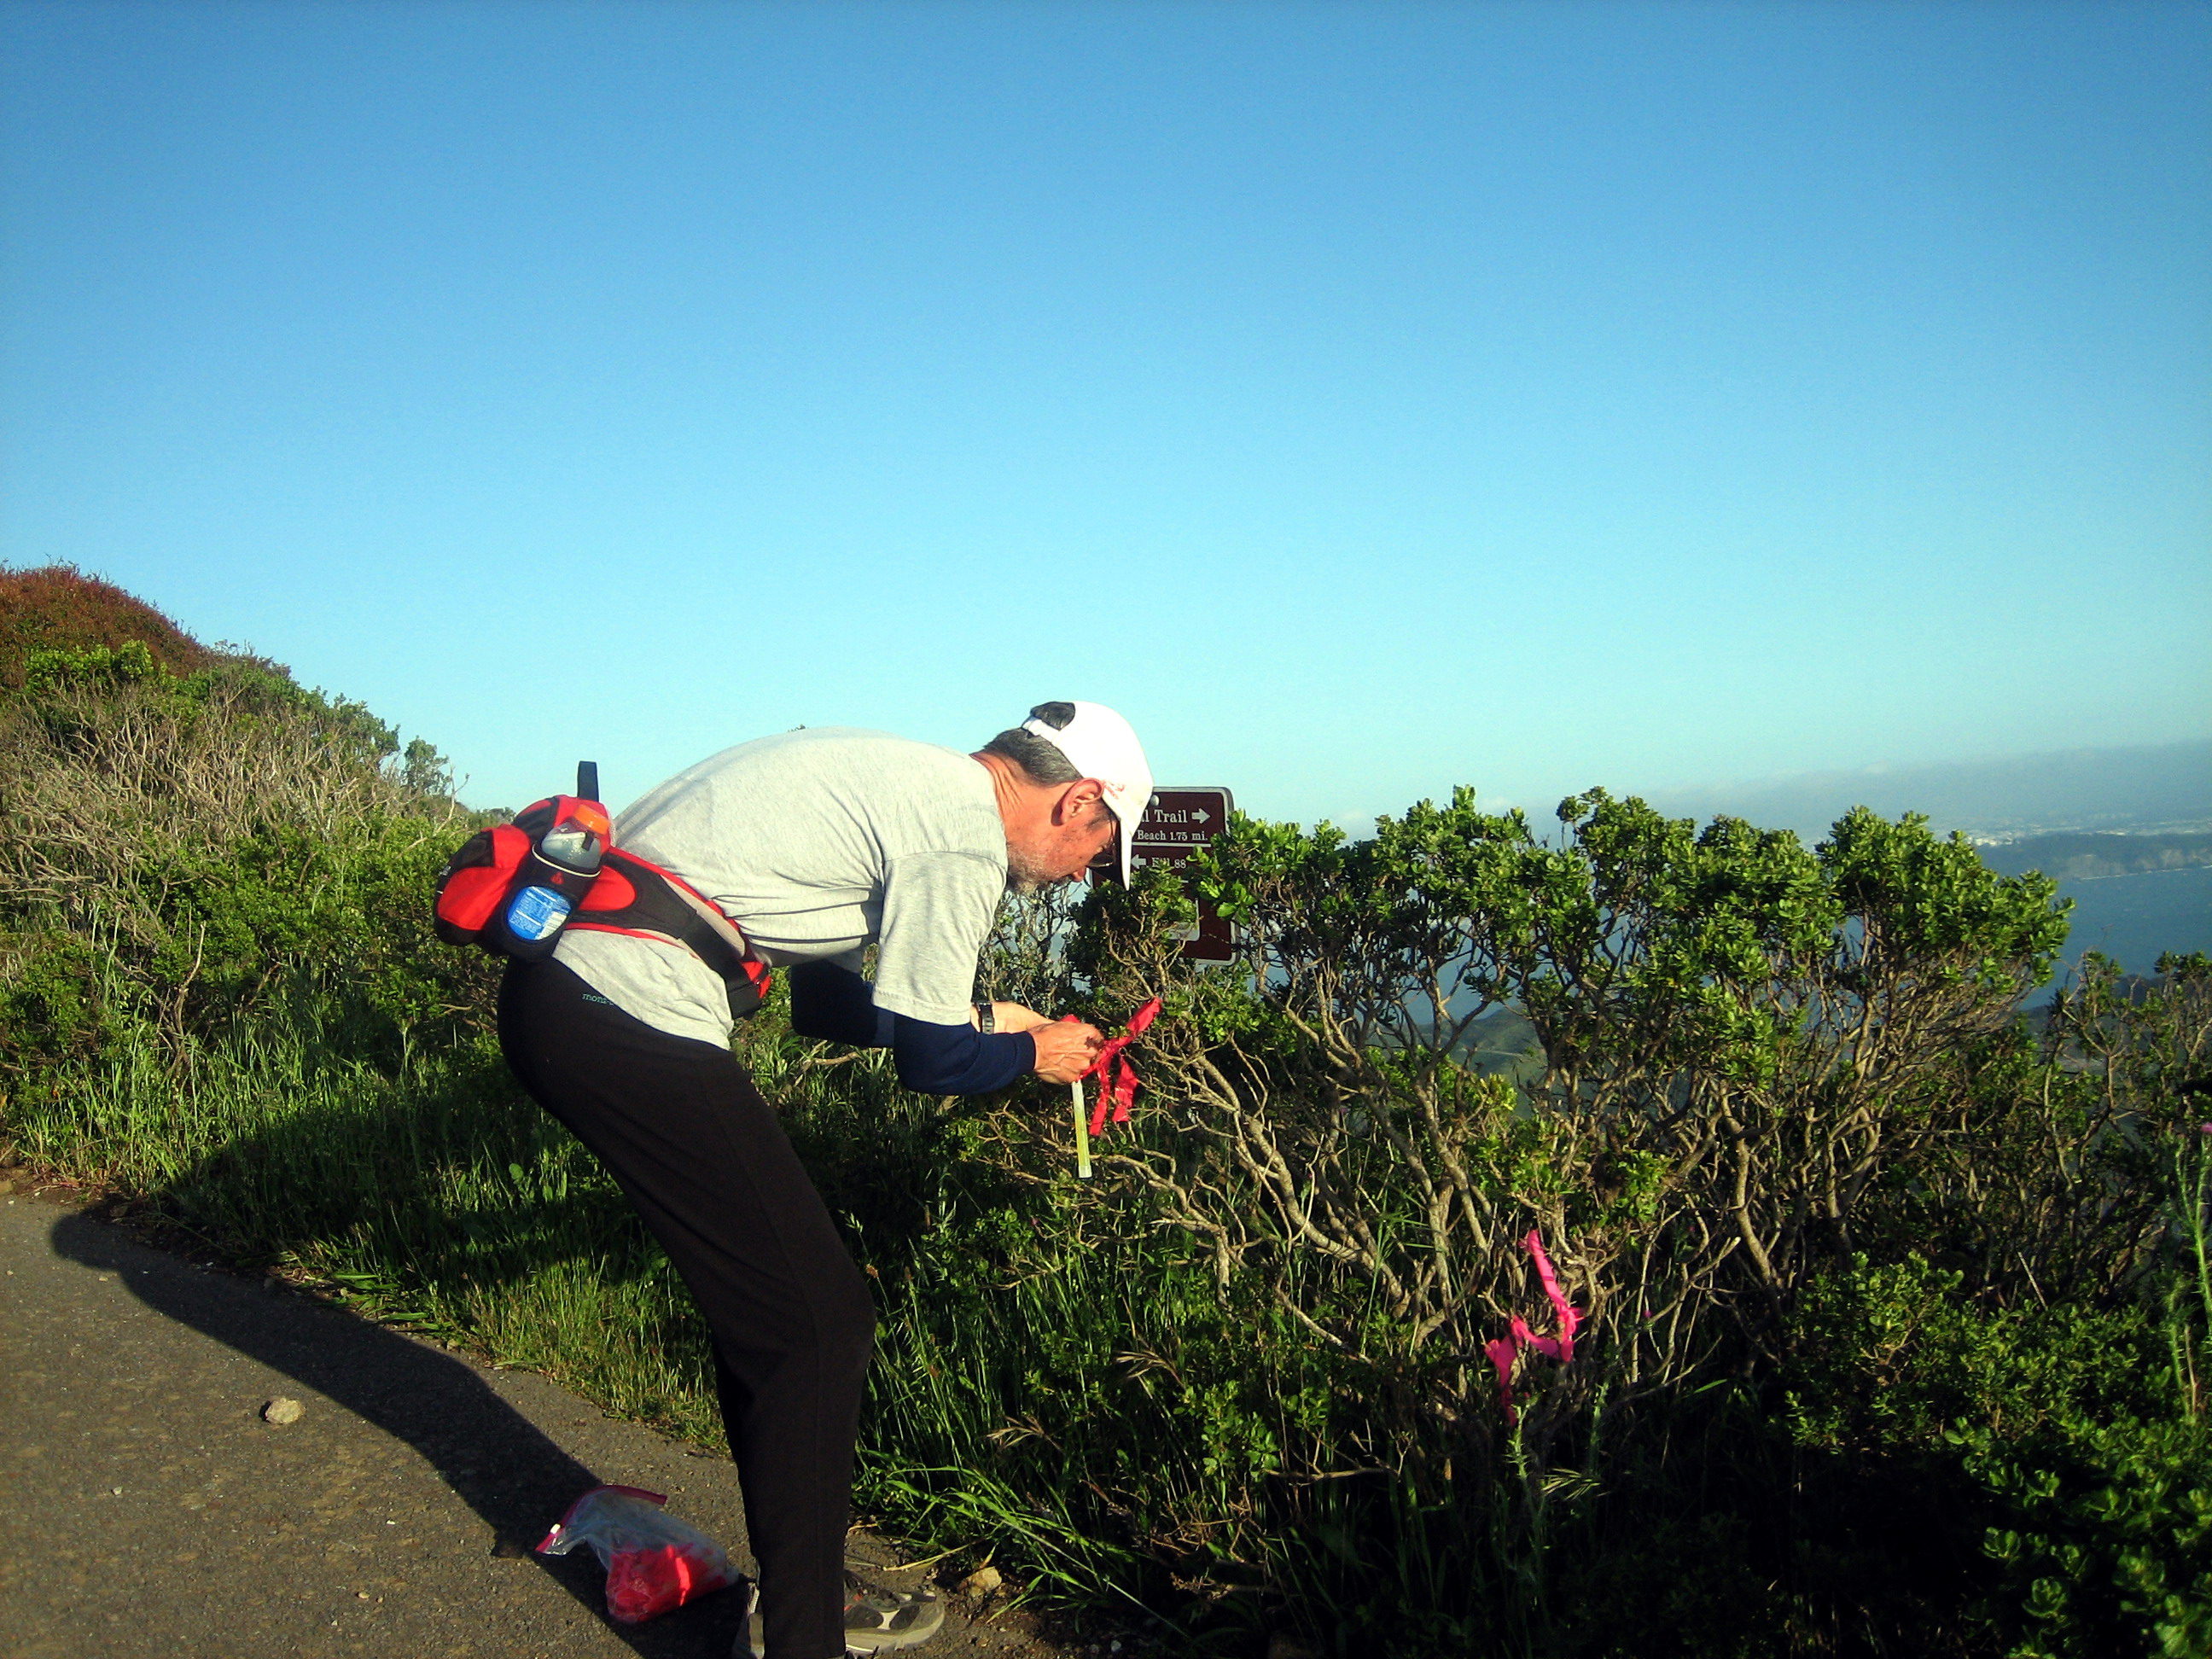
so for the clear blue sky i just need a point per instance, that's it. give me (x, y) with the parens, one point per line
(1364, 399)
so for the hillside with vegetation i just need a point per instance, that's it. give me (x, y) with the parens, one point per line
(56, 610)
(2094, 855)
(1640, 1238)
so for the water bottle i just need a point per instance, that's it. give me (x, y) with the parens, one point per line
(556, 875)
(535, 914)
(575, 840)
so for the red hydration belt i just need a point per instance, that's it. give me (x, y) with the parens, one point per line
(638, 899)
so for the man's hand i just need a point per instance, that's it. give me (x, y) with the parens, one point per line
(1065, 1049)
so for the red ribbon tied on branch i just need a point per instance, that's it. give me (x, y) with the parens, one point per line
(1117, 1079)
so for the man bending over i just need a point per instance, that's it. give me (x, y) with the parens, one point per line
(816, 844)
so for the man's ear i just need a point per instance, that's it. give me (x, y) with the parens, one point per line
(1078, 802)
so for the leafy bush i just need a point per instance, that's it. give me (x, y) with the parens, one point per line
(1763, 1062)
(2058, 1440)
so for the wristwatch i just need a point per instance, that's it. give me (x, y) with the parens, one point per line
(984, 1020)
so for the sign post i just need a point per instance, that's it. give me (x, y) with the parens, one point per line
(1177, 823)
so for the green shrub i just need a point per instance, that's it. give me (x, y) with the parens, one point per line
(2057, 1439)
(57, 1007)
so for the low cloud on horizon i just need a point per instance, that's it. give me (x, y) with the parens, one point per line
(2136, 788)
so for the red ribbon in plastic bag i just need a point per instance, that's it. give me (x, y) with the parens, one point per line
(1117, 1079)
(655, 1563)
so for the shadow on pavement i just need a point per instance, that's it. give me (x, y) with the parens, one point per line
(500, 1463)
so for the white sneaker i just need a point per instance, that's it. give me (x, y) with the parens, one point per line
(876, 1618)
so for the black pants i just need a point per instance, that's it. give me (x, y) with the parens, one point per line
(679, 1124)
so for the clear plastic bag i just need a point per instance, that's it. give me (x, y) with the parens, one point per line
(655, 1562)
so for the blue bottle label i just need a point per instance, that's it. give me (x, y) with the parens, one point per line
(538, 913)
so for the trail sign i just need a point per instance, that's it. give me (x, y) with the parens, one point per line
(1178, 823)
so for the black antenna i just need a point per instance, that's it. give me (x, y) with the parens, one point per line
(587, 780)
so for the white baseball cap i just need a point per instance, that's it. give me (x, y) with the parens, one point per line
(1099, 744)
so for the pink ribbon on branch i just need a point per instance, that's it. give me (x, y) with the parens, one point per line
(1505, 1350)
(1563, 1347)
(1117, 1079)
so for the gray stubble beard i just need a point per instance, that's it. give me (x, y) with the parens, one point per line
(1023, 877)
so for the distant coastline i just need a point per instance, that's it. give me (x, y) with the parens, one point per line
(2126, 832)
(2099, 855)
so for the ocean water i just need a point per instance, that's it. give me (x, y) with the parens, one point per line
(2132, 918)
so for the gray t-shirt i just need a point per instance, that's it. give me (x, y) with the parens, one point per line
(815, 843)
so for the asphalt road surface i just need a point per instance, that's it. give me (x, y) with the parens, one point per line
(147, 1509)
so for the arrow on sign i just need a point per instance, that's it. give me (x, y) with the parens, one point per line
(1202, 817)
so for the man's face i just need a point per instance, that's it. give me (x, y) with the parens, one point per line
(1063, 848)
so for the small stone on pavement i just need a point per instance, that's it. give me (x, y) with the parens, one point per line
(281, 1411)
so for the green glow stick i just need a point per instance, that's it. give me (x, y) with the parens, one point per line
(1082, 1131)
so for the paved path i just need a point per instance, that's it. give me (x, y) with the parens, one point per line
(147, 1509)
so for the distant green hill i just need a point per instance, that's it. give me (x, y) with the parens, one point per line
(2094, 855)
(1501, 1044)
(2135, 898)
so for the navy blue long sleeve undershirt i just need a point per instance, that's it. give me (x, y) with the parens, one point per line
(835, 1004)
